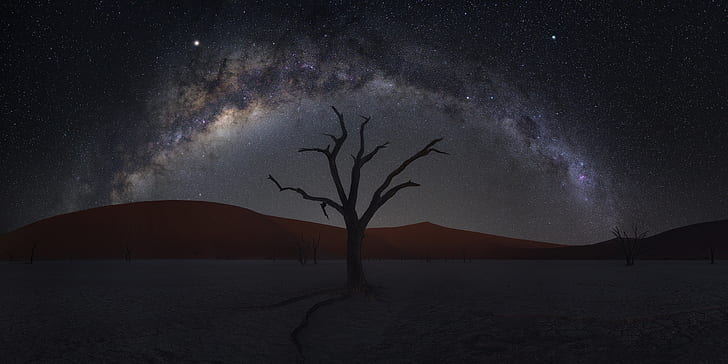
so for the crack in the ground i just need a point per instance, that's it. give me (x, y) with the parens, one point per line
(341, 295)
(304, 322)
(291, 300)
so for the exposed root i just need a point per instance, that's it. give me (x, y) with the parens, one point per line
(304, 322)
(292, 300)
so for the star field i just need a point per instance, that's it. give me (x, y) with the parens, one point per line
(560, 120)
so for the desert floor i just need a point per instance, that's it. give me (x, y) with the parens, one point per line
(438, 312)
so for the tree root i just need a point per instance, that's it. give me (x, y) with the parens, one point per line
(304, 322)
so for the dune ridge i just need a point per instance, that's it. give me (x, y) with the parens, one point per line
(206, 230)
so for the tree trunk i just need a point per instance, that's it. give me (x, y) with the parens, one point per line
(355, 280)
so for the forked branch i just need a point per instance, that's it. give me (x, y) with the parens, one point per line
(423, 152)
(338, 142)
(380, 196)
(371, 154)
(396, 189)
(324, 200)
(356, 168)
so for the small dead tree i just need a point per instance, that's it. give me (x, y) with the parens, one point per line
(302, 252)
(629, 244)
(356, 223)
(127, 254)
(466, 257)
(315, 248)
(32, 251)
(711, 246)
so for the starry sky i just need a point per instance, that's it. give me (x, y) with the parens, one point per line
(561, 119)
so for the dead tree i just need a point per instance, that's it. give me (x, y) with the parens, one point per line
(466, 257)
(315, 248)
(345, 204)
(302, 252)
(629, 244)
(32, 251)
(712, 252)
(127, 254)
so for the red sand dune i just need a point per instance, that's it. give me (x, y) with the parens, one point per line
(164, 229)
(688, 242)
(193, 229)
(427, 239)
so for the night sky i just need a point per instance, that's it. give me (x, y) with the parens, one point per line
(560, 120)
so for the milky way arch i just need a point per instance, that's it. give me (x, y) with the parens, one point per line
(221, 122)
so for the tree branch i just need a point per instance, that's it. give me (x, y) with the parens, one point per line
(325, 152)
(344, 133)
(338, 142)
(356, 168)
(324, 200)
(371, 154)
(361, 136)
(378, 200)
(323, 208)
(393, 191)
(332, 136)
(423, 152)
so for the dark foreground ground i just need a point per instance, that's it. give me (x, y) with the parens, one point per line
(439, 312)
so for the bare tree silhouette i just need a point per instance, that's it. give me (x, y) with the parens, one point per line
(711, 246)
(466, 257)
(346, 206)
(630, 244)
(301, 252)
(315, 248)
(32, 251)
(127, 254)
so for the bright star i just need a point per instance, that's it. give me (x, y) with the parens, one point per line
(553, 37)
(196, 43)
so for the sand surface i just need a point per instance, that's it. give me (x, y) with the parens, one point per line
(438, 312)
